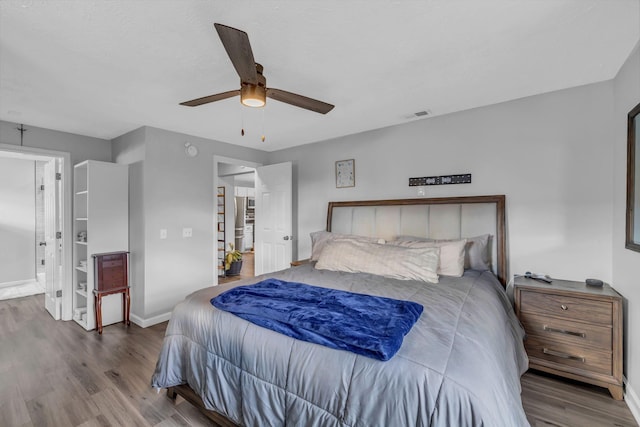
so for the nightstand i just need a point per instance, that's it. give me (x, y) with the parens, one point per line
(300, 262)
(573, 330)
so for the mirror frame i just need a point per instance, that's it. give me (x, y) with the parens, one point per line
(632, 132)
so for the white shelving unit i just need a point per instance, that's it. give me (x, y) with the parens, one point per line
(220, 231)
(101, 213)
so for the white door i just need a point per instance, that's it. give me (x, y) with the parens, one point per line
(273, 214)
(51, 261)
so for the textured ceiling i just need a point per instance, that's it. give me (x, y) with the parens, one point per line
(103, 68)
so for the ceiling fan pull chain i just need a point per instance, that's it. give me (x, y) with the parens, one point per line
(241, 121)
(263, 125)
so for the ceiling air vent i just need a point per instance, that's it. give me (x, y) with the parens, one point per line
(421, 113)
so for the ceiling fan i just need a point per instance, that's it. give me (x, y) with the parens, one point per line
(253, 85)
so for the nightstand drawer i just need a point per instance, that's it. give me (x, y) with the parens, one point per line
(570, 308)
(569, 355)
(573, 333)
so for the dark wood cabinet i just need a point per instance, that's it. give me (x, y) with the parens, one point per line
(573, 330)
(111, 271)
(111, 277)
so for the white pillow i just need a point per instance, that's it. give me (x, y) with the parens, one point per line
(319, 239)
(395, 262)
(452, 254)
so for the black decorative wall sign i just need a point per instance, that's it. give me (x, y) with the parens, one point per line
(440, 180)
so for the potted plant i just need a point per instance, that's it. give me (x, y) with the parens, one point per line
(232, 261)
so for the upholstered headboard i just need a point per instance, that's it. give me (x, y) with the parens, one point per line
(436, 218)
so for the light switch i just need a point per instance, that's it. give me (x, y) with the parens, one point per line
(163, 233)
(187, 232)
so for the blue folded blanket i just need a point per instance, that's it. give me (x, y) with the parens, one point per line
(363, 324)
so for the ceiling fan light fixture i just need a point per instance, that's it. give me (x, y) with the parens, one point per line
(253, 95)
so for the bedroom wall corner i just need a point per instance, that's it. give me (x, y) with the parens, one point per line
(130, 149)
(625, 261)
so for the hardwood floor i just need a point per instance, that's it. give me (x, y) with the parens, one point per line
(552, 401)
(57, 374)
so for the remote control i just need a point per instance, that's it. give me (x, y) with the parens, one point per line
(538, 277)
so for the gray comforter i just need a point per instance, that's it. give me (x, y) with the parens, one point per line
(460, 364)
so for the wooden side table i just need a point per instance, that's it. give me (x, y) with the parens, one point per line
(573, 330)
(126, 304)
(111, 277)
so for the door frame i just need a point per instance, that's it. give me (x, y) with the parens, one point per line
(67, 240)
(214, 217)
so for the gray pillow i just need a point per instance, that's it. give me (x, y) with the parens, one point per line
(477, 255)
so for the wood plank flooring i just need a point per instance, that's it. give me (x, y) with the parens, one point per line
(57, 374)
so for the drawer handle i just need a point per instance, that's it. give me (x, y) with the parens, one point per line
(564, 307)
(562, 355)
(562, 331)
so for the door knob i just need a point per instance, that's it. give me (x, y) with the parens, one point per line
(43, 243)
(287, 238)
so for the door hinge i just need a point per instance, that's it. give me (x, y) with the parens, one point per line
(42, 187)
(58, 176)
(58, 293)
(41, 262)
(58, 234)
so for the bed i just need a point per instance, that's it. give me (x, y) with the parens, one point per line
(460, 364)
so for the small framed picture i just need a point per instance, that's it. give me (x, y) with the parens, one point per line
(345, 173)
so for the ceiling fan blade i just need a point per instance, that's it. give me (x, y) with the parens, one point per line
(299, 101)
(236, 43)
(211, 98)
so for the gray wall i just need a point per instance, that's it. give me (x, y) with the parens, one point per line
(178, 192)
(17, 220)
(549, 154)
(625, 262)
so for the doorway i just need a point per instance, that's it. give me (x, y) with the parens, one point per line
(34, 225)
(236, 180)
(272, 229)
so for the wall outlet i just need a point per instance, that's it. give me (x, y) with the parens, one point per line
(187, 232)
(163, 233)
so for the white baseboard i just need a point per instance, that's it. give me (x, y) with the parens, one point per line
(17, 283)
(633, 402)
(145, 323)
